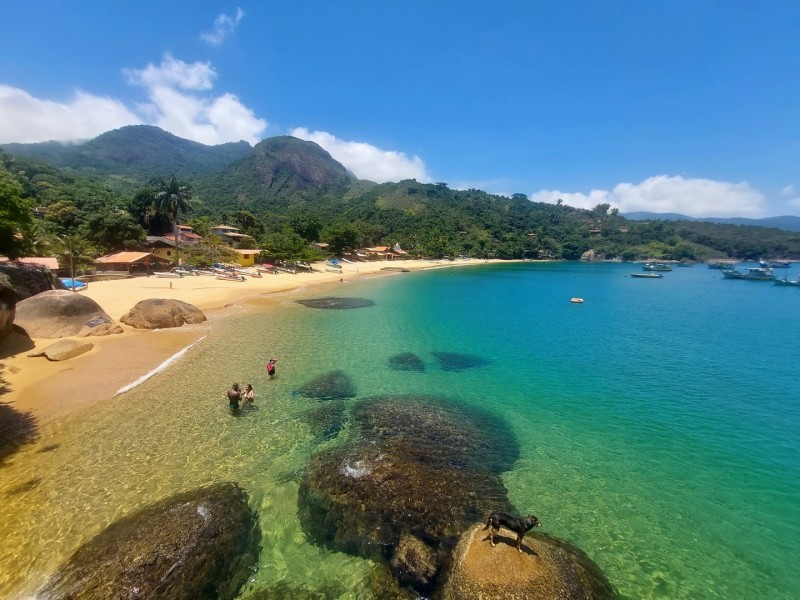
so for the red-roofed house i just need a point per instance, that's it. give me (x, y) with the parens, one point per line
(132, 262)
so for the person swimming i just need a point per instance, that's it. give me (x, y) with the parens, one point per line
(271, 367)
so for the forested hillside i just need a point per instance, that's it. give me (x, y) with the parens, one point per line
(287, 192)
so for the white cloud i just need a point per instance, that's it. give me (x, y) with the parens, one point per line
(178, 100)
(789, 191)
(223, 27)
(664, 194)
(26, 119)
(365, 160)
(174, 73)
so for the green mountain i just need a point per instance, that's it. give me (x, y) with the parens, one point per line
(128, 157)
(287, 192)
(785, 222)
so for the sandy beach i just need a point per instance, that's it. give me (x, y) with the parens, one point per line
(49, 390)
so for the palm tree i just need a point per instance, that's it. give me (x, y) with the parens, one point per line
(173, 196)
(75, 250)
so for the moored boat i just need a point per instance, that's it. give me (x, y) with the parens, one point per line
(657, 266)
(647, 275)
(786, 282)
(775, 264)
(752, 274)
(721, 264)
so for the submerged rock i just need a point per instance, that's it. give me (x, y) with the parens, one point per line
(159, 313)
(200, 544)
(406, 361)
(416, 466)
(326, 420)
(58, 313)
(335, 384)
(548, 569)
(332, 302)
(452, 361)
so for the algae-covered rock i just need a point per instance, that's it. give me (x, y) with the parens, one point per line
(548, 569)
(326, 420)
(160, 313)
(199, 544)
(406, 361)
(414, 562)
(416, 466)
(335, 384)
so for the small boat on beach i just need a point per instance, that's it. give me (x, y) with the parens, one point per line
(230, 277)
(74, 284)
(267, 268)
(647, 275)
(168, 274)
(752, 274)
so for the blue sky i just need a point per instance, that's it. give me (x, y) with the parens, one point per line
(690, 106)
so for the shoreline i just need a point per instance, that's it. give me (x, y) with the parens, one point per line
(118, 360)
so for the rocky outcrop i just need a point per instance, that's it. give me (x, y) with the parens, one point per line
(60, 313)
(325, 420)
(334, 384)
(547, 569)
(159, 313)
(417, 468)
(8, 306)
(200, 544)
(29, 280)
(64, 350)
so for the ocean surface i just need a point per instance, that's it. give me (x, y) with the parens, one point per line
(658, 424)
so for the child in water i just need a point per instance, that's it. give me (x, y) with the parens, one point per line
(271, 367)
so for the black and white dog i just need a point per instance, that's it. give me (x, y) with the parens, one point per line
(519, 525)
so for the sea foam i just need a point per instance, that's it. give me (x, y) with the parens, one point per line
(171, 360)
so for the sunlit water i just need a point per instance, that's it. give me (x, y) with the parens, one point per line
(659, 424)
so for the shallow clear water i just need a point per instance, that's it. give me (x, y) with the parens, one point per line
(659, 423)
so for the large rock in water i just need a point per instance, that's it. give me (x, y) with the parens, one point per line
(416, 466)
(548, 569)
(60, 313)
(200, 544)
(159, 313)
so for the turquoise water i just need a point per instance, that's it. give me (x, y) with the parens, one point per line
(659, 423)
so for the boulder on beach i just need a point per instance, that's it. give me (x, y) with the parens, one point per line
(28, 280)
(417, 472)
(59, 313)
(160, 313)
(64, 350)
(547, 569)
(8, 307)
(336, 303)
(406, 361)
(199, 544)
(334, 384)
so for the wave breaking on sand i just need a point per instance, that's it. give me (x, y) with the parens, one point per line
(164, 365)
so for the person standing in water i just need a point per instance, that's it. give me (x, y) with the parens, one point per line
(271, 367)
(249, 396)
(234, 396)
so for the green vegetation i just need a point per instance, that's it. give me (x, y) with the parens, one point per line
(287, 193)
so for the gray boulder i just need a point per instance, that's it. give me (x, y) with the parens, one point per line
(29, 280)
(547, 569)
(59, 313)
(8, 305)
(196, 545)
(159, 313)
(64, 350)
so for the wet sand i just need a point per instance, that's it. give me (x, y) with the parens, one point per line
(49, 390)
